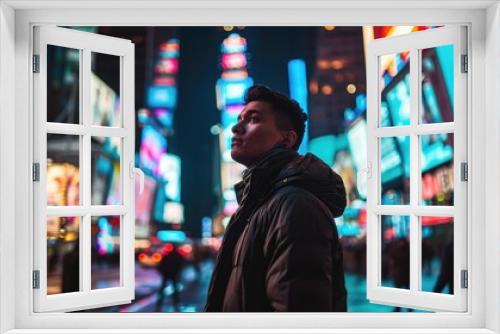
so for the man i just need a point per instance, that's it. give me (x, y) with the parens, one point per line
(281, 250)
(170, 268)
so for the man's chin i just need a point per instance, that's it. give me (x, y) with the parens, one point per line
(237, 156)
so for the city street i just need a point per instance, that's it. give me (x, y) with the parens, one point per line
(193, 290)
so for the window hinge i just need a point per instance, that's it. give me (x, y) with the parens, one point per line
(36, 171)
(465, 64)
(464, 171)
(36, 279)
(464, 280)
(36, 63)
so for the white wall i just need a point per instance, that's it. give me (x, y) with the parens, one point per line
(7, 174)
(493, 163)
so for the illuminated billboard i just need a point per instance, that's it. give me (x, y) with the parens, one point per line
(170, 171)
(234, 43)
(395, 111)
(162, 97)
(233, 60)
(170, 49)
(173, 213)
(171, 236)
(164, 116)
(63, 184)
(167, 66)
(356, 136)
(104, 103)
(324, 148)
(231, 88)
(144, 205)
(153, 147)
(232, 91)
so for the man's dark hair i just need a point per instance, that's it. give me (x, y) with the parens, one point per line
(288, 114)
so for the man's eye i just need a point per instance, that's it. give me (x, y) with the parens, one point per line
(254, 119)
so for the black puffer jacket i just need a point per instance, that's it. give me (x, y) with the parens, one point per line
(281, 250)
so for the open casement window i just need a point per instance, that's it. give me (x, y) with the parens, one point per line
(408, 137)
(84, 154)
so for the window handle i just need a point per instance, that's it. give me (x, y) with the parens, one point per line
(133, 171)
(367, 171)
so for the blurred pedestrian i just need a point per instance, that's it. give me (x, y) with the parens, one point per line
(445, 277)
(169, 268)
(198, 258)
(399, 265)
(281, 250)
(70, 266)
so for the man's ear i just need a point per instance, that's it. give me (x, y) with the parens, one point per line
(290, 139)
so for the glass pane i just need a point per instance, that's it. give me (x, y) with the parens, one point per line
(105, 231)
(437, 169)
(395, 89)
(437, 84)
(63, 170)
(63, 255)
(63, 85)
(395, 235)
(105, 90)
(395, 170)
(437, 254)
(106, 176)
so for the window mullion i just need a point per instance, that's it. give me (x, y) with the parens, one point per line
(127, 221)
(415, 235)
(435, 128)
(66, 129)
(107, 210)
(393, 131)
(40, 155)
(85, 242)
(103, 131)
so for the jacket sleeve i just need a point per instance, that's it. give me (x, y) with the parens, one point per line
(298, 251)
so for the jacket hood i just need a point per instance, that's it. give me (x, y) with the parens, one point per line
(313, 175)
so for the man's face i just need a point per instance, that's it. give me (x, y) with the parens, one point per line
(255, 133)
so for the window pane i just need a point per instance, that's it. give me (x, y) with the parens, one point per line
(437, 169)
(63, 85)
(63, 255)
(395, 170)
(395, 235)
(437, 84)
(105, 266)
(105, 90)
(106, 175)
(63, 170)
(437, 254)
(395, 89)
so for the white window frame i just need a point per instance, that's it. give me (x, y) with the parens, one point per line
(16, 21)
(414, 297)
(85, 43)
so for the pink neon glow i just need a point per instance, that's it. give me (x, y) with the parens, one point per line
(233, 60)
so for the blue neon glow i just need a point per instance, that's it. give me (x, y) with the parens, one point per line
(229, 119)
(171, 236)
(233, 91)
(164, 116)
(445, 57)
(162, 97)
(234, 43)
(206, 227)
(324, 148)
(297, 82)
(432, 102)
(160, 199)
(104, 242)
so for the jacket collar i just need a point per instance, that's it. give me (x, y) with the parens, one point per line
(258, 178)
